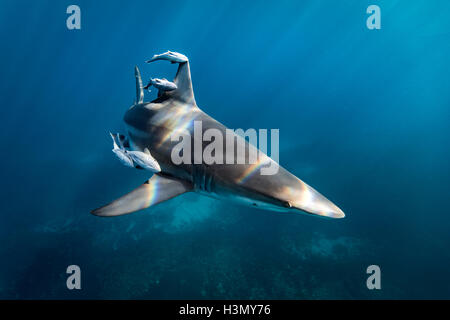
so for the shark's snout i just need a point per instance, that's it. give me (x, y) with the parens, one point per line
(309, 200)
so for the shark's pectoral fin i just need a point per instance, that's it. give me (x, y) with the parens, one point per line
(157, 189)
(182, 79)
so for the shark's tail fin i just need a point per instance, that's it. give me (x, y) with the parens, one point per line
(139, 88)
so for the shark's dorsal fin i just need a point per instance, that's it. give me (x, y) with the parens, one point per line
(157, 189)
(183, 81)
(139, 87)
(147, 151)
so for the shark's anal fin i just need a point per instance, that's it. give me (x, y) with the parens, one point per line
(157, 189)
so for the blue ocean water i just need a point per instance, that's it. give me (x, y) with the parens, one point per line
(363, 118)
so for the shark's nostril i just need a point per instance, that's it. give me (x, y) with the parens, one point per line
(287, 204)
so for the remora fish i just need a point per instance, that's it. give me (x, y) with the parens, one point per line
(121, 153)
(161, 84)
(144, 160)
(173, 57)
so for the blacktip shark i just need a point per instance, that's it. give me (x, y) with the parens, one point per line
(150, 126)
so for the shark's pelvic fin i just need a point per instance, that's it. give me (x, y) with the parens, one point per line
(157, 189)
(139, 87)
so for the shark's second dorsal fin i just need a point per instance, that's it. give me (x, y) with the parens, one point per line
(139, 87)
(183, 81)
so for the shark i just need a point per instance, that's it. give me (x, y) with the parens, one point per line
(150, 126)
